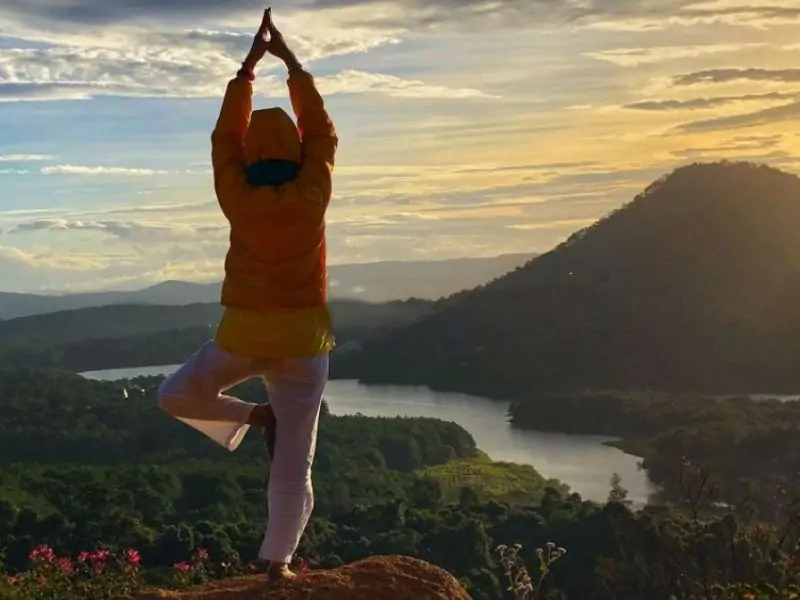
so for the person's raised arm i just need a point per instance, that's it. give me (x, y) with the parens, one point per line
(227, 139)
(317, 131)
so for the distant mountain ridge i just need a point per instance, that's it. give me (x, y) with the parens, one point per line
(138, 335)
(120, 321)
(693, 286)
(368, 282)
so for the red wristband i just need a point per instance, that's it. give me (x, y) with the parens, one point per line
(246, 72)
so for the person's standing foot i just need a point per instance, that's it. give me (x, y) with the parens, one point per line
(280, 572)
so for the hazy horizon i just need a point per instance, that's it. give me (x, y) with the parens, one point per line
(514, 259)
(477, 129)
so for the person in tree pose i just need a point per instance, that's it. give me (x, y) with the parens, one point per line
(273, 181)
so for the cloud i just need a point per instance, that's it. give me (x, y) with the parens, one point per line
(25, 158)
(767, 116)
(131, 231)
(751, 146)
(79, 73)
(562, 224)
(634, 57)
(742, 13)
(71, 72)
(706, 103)
(37, 269)
(394, 14)
(98, 12)
(656, 16)
(360, 82)
(85, 170)
(732, 75)
(138, 48)
(12, 258)
(48, 60)
(326, 43)
(408, 13)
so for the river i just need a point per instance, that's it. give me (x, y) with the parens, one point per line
(581, 461)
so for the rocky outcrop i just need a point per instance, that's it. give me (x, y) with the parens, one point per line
(375, 578)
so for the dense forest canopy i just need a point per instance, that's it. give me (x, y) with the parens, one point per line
(82, 464)
(82, 467)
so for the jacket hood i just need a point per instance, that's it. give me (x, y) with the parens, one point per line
(272, 135)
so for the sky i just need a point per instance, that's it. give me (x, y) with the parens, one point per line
(467, 127)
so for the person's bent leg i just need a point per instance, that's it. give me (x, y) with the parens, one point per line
(192, 395)
(295, 389)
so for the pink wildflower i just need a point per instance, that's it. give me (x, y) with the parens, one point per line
(132, 557)
(100, 555)
(252, 568)
(65, 564)
(84, 557)
(43, 552)
(202, 554)
(12, 579)
(183, 567)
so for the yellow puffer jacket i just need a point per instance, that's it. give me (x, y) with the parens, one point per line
(275, 287)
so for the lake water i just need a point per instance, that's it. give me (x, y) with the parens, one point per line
(581, 461)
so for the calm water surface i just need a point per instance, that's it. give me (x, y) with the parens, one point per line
(581, 461)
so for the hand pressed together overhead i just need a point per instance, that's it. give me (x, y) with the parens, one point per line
(269, 39)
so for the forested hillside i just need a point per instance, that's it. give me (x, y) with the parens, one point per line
(692, 286)
(118, 336)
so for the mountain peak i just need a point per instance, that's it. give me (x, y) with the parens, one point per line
(690, 286)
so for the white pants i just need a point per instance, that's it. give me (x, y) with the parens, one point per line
(295, 385)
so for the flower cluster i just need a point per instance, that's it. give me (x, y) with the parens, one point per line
(99, 575)
(102, 574)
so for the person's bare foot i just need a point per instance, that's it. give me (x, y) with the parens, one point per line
(279, 572)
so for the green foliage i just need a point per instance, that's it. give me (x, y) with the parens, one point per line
(486, 480)
(80, 462)
(81, 466)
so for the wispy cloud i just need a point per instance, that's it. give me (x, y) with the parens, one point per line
(561, 224)
(742, 146)
(633, 57)
(134, 231)
(767, 116)
(658, 16)
(359, 82)
(23, 158)
(738, 74)
(411, 13)
(707, 103)
(178, 72)
(100, 171)
(11, 257)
